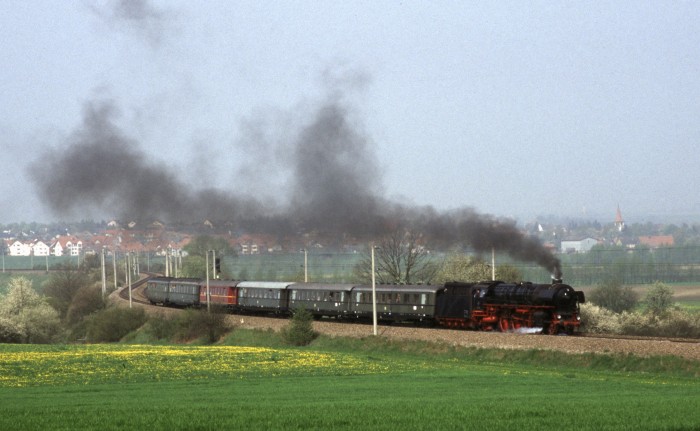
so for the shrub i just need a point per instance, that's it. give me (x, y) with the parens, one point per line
(112, 324)
(62, 287)
(639, 324)
(300, 330)
(599, 320)
(681, 324)
(659, 298)
(25, 316)
(161, 327)
(194, 324)
(614, 296)
(86, 301)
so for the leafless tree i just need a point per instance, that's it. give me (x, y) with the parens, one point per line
(401, 257)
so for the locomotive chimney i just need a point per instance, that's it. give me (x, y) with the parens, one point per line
(556, 280)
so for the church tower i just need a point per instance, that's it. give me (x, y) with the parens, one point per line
(619, 222)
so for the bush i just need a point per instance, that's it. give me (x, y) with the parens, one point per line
(62, 287)
(659, 298)
(639, 324)
(112, 324)
(599, 320)
(300, 330)
(614, 296)
(680, 324)
(194, 324)
(86, 301)
(25, 316)
(161, 327)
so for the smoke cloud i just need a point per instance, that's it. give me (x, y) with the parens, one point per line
(334, 188)
(139, 16)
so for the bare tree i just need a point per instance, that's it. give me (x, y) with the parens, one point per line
(401, 257)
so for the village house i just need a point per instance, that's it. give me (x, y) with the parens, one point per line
(19, 248)
(578, 246)
(39, 248)
(65, 245)
(656, 241)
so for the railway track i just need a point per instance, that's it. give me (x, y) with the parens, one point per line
(581, 343)
(137, 291)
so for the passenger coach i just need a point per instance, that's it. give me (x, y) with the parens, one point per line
(332, 300)
(395, 302)
(263, 296)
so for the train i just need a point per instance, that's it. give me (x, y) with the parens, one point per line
(488, 306)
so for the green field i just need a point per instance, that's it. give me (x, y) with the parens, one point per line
(370, 384)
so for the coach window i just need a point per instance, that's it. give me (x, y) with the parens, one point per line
(423, 299)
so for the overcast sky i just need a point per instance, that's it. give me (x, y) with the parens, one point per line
(512, 108)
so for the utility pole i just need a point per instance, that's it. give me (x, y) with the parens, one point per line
(129, 264)
(306, 265)
(114, 263)
(374, 297)
(104, 273)
(493, 264)
(208, 294)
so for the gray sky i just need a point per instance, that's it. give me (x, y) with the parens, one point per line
(511, 108)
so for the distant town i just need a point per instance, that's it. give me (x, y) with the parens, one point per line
(158, 238)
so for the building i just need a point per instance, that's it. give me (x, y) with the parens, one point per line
(619, 222)
(65, 245)
(656, 241)
(39, 248)
(20, 248)
(578, 246)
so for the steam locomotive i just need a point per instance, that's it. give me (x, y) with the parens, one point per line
(494, 305)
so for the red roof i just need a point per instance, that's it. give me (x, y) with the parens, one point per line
(657, 241)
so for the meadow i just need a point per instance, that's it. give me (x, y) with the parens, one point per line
(335, 384)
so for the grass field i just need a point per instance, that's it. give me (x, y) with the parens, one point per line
(338, 384)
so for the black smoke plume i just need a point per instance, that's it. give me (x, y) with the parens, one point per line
(335, 188)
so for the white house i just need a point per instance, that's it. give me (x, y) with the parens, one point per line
(39, 248)
(67, 245)
(578, 246)
(19, 248)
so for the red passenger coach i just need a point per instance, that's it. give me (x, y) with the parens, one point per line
(221, 292)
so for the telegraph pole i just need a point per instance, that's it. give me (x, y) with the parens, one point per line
(114, 263)
(306, 266)
(374, 297)
(208, 294)
(493, 264)
(104, 273)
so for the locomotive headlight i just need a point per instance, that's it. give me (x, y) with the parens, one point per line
(578, 318)
(558, 316)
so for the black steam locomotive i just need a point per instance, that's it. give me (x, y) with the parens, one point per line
(547, 308)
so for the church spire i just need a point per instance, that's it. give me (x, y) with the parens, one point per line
(619, 222)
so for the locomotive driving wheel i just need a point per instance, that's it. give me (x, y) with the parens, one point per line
(504, 324)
